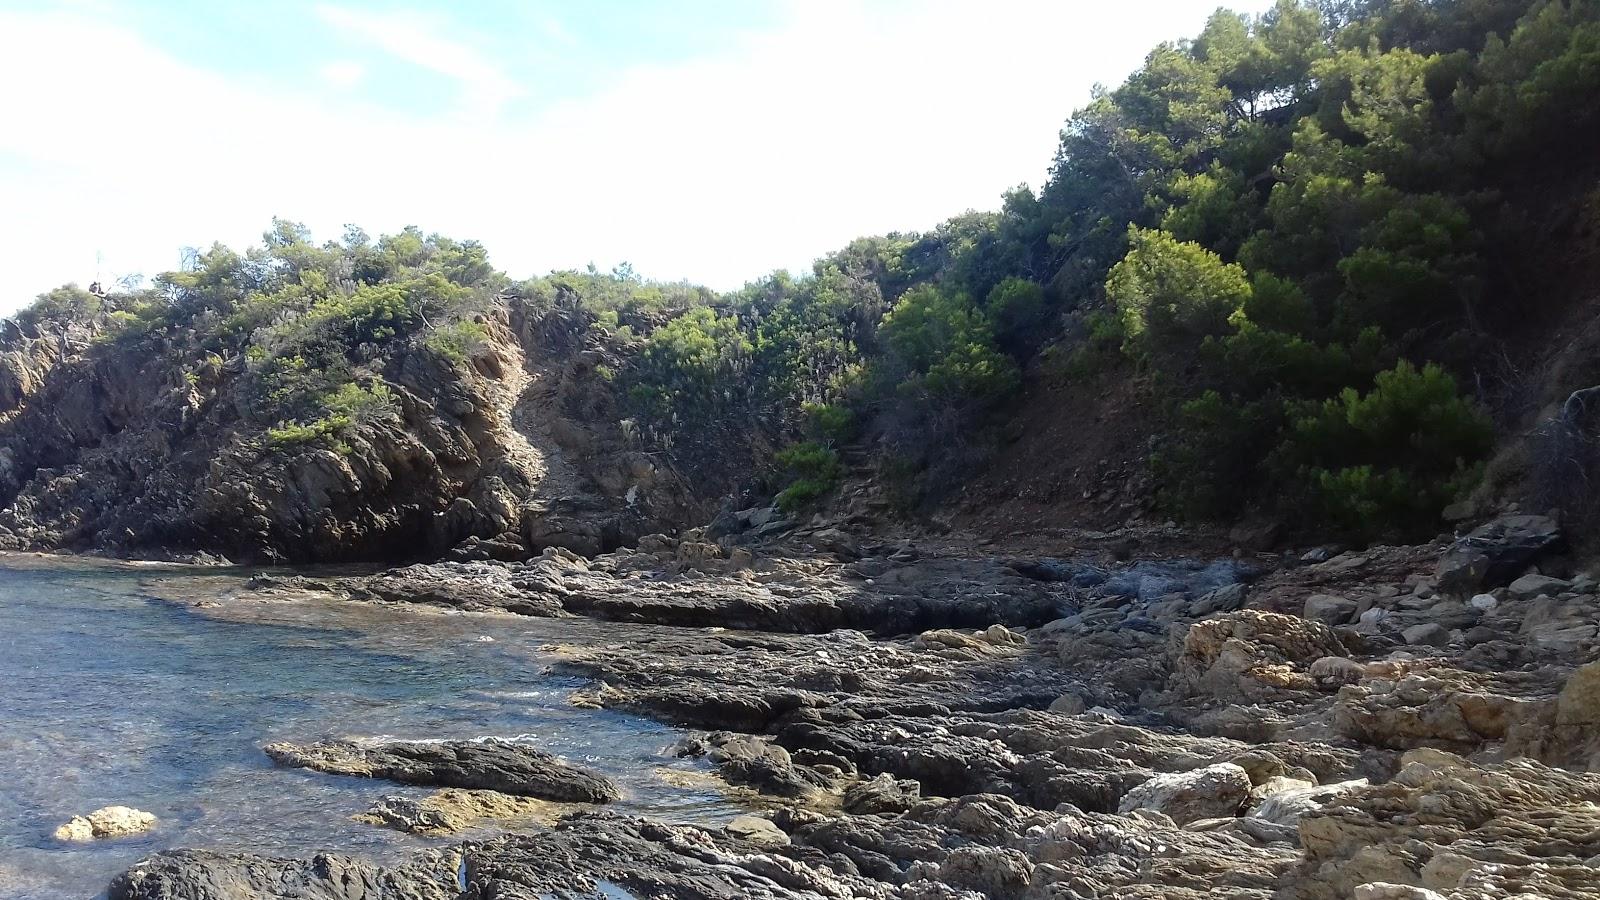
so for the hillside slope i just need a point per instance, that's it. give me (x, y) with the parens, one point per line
(146, 447)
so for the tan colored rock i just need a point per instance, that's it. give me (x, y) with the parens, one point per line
(453, 809)
(757, 830)
(1253, 656)
(1438, 706)
(1441, 828)
(106, 822)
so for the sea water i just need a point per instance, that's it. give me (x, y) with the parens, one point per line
(118, 688)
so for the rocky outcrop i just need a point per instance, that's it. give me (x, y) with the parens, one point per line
(205, 875)
(1173, 740)
(493, 765)
(1444, 824)
(689, 582)
(148, 445)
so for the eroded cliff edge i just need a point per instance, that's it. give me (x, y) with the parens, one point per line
(148, 447)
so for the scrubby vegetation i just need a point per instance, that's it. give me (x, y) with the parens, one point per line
(1293, 230)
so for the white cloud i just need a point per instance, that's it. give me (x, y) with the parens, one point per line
(846, 120)
(416, 39)
(343, 73)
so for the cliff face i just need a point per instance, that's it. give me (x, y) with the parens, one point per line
(147, 448)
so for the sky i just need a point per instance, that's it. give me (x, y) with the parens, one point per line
(715, 141)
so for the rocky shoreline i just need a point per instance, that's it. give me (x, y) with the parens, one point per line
(1399, 722)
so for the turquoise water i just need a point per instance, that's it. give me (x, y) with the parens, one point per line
(114, 689)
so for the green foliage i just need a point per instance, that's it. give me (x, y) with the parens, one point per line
(455, 341)
(829, 423)
(692, 367)
(1207, 465)
(1172, 294)
(1016, 310)
(338, 412)
(66, 303)
(1383, 463)
(814, 471)
(943, 350)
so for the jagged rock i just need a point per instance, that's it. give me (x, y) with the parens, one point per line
(1429, 704)
(1252, 655)
(206, 875)
(1567, 731)
(1216, 790)
(883, 794)
(1443, 824)
(106, 822)
(756, 762)
(1382, 890)
(495, 765)
(1495, 553)
(1289, 803)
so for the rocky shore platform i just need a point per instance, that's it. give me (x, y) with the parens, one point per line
(924, 723)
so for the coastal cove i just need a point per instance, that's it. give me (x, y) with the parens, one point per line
(126, 684)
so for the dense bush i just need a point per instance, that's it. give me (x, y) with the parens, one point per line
(1384, 462)
(812, 470)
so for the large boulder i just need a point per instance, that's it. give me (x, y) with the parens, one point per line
(1493, 554)
(1252, 656)
(1204, 793)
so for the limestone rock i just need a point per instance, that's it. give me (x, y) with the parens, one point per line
(757, 830)
(1216, 790)
(1521, 824)
(451, 810)
(1252, 655)
(106, 822)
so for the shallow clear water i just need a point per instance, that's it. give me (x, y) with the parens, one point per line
(114, 691)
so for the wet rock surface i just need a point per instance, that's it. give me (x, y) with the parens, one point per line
(1010, 733)
(502, 766)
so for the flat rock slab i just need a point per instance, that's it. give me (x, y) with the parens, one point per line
(492, 765)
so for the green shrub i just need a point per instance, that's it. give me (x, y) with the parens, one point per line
(829, 422)
(1382, 464)
(943, 350)
(455, 341)
(65, 303)
(1208, 467)
(1172, 294)
(814, 471)
(342, 409)
(1016, 311)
